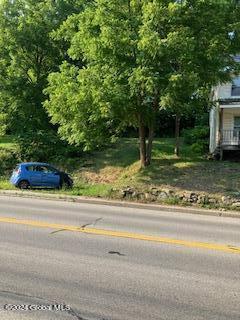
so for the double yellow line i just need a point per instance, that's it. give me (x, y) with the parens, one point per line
(122, 234)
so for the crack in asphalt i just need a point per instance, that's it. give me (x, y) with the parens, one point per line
(56, 231)
(91, 223)
(117, 253)
(74, 314)
(21, 294)
(81, 227)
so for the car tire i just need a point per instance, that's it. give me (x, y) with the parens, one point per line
(24, 184)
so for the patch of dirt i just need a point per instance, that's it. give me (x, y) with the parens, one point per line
(105, 175)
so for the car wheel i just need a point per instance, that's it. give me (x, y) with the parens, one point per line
(24, 184)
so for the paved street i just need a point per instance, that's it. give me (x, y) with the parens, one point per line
(110, 272)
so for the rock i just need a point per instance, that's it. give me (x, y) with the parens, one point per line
(193, 197)
(123, 193)
(226, 200)
(212, 201)
(154, 191)
(138, 195)
(236, 204)
(127, 192)
(149, 197)
(186, 195)
(163, 196)
(169, 191)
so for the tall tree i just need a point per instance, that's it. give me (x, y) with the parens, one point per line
(27, 55)
(194, 40)
(139, 55)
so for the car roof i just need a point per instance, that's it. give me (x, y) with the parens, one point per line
(34, 164)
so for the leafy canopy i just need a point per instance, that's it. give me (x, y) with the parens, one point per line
(128, 58)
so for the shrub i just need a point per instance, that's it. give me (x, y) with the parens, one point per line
(198, 147)
(44, 146)
(198, 138)
(8, 160)
(191, 136)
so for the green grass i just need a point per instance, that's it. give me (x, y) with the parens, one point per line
(95, 174)
(119, 166)
(6, 185)
(8, 159)
(7, 142)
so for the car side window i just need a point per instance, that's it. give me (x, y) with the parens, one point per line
(31, 168)
(41, 169)
(52, 170)
(45, 169)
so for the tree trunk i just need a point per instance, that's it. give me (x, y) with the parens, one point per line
(142, 138)
(150, 144)
(177, 135)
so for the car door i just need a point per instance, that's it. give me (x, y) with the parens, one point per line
(50, 177)
(34, 175)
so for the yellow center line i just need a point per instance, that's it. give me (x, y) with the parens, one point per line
(122, 234)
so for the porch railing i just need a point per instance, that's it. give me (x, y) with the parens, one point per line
(230, 137)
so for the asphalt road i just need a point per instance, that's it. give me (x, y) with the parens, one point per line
(116, 276)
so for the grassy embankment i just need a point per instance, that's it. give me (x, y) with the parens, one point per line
(97, 173)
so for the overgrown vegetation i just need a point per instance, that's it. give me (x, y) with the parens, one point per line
(78, 74)
(197, 138)
(83, 71)
(97, 173)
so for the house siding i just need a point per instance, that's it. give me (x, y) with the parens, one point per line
(227, 106)
(227, 123)
(225, 91)
(228, 117)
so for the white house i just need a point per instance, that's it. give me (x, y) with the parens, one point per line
(225, 118)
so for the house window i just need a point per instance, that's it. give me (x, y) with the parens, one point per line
(237, 123)
(236, 87)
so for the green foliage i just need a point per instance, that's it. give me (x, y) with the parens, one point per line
(198, 138)
(8, 160)
(199, 147)
(198, 133)
(130, 57)
(108, 64)
(78, 107)
(44, 146)
(9, 154)
(193, 42)
(28, 54)
(104, 172)
(91, 105)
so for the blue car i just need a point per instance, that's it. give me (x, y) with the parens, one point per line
(36, 174)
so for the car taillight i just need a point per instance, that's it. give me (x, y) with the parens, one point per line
(18, 171)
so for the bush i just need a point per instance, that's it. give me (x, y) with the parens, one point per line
(198, 138)
(44, 146)
(199, 147)
(8, 160)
